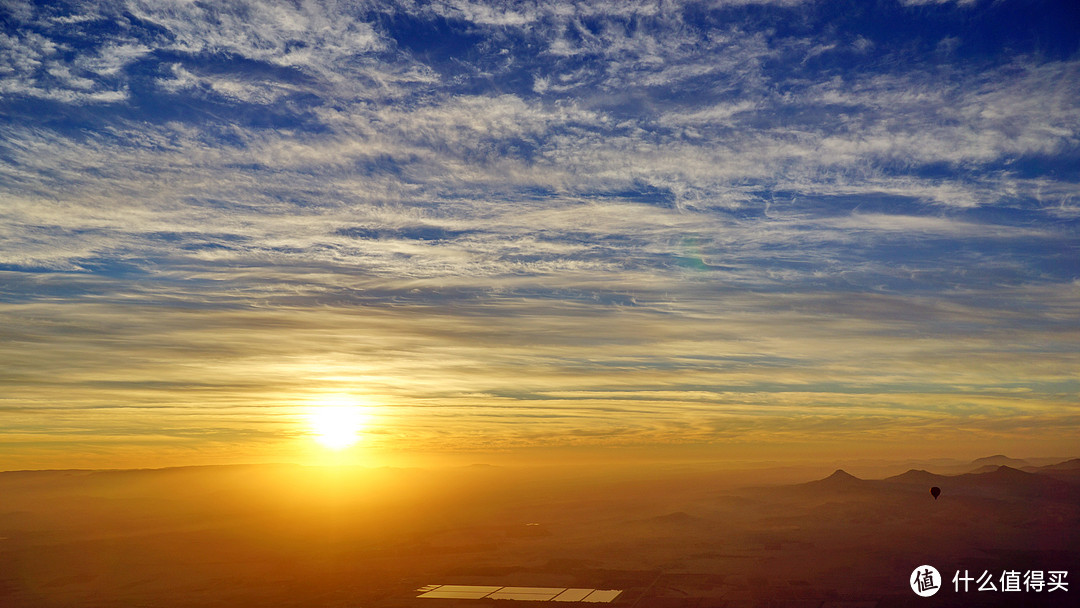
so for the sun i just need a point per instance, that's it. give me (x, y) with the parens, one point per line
(336, 427)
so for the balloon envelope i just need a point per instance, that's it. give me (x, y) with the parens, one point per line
(934, 491)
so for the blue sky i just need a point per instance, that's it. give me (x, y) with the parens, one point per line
(510, 224)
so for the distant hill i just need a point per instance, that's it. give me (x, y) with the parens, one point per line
(1017, 483)
(998, 460)
(988, 464)
(917, 477)
(1068, 465)
(1068, 471)
(840, 479)
(990, 468)
(1058, 482)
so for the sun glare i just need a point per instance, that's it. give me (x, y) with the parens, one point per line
(336, 427)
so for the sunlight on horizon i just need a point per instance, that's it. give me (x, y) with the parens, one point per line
(337, 423)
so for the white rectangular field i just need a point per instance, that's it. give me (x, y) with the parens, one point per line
(573, 595)
(460, 592)
(602, 595)
(532, 594)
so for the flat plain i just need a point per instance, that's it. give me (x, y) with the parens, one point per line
(665, 535)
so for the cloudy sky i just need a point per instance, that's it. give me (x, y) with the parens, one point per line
(749, 226)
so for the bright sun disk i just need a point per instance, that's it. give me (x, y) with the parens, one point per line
(336, 426)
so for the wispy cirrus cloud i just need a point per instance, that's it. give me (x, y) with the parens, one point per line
(626, 222)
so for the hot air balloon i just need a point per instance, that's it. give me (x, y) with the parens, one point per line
(935, 491)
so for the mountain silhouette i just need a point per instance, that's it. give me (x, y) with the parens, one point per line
(1014, 482)
(918, 477)
(1068, 465)
(998, 460)
(839, 480)
(1000, 482)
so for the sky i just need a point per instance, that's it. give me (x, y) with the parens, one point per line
(736, 228)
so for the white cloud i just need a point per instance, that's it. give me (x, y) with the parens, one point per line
(265, 31)
(927, 225)
(32, 64)
(978, 117)
(111, 58)
(666, 210)
(236, 89)
(483, 13)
